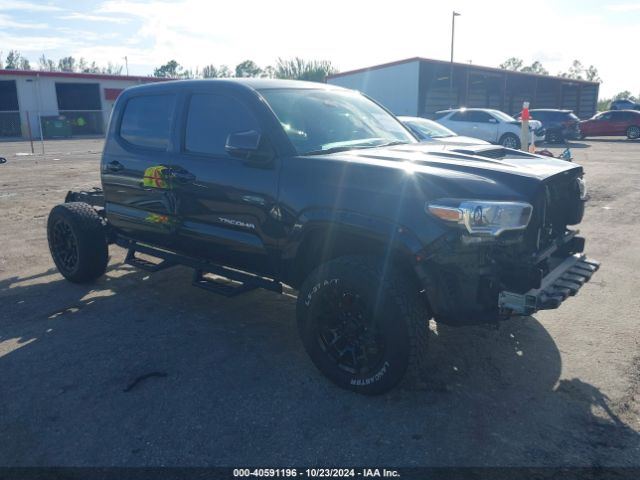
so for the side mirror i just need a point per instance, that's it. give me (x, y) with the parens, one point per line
(247, 146)
(493, 120)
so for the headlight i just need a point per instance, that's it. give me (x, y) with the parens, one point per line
(482, 217)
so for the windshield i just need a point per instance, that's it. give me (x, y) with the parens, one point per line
(502, 116)
(320, 121)
(427, 128)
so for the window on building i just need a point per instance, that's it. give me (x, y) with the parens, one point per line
(211, 119)
(9, 115)
(8, 96)
(146, 121)
(78, 96)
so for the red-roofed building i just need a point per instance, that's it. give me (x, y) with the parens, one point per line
(82, 100)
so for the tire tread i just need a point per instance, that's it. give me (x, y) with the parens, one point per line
(89, 229)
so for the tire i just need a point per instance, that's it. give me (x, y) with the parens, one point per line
(633, 132)
(351, 304)
(77, 241)
(509, 140)
(553, 137)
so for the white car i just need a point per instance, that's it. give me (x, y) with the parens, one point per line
(491, 125)
(429, 131)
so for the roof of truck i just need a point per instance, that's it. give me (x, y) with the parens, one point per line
(252, 83)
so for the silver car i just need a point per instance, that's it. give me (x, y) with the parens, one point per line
(487, 124)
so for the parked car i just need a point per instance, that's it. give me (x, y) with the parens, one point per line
(272, 182)
(612, 123)
(487, 124)
(559, 125)
(429, 131)
(624, 104)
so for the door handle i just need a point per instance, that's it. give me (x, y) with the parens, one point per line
(182, 176)
(115, 166)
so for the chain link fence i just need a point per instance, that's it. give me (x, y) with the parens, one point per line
(84, 122)
(10, 124)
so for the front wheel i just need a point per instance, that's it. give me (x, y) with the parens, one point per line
(77, 241)
(633, 132)
(363, 325)
(509, 140)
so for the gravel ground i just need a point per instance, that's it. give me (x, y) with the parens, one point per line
(226, 381)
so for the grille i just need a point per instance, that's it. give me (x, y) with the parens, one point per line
(558, 205)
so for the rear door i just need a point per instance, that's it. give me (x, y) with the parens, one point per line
(227, 204)
(138, 151)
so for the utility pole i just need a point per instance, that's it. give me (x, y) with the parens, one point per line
(453, 30)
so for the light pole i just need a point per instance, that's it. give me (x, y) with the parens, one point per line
(453, 30)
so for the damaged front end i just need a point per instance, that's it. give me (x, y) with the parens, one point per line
(527, 258)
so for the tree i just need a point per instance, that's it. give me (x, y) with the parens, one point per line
(512, 63)
(248, 68)
(224, 72)
(209, 71)
(13, 60)
(576, 70)
(592, 74)
(535, 67)
(111, 69)
(46, 64)
(171, 69)
(268, 72)
(300, 69)
(67, 64)
(92, 68)
(625, 95)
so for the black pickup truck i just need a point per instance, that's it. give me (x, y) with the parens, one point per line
(265, 183)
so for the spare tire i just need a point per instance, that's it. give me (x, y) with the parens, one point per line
(78, 241)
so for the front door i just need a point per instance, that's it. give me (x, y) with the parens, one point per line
(227, 204)
(619, 122)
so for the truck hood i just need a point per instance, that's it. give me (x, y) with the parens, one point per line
(447, 160)
(456, 140)
(433, 171)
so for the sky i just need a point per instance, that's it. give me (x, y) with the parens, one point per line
(350, 33)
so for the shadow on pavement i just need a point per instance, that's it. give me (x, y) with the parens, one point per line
(139, 370)
(612, 140)
(566, 144)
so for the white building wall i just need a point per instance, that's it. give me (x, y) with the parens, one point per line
(37, 95)
(394, 86)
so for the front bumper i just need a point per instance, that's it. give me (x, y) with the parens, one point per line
(539, 134)
(560, 283)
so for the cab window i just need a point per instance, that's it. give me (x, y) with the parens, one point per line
(146, 121)
(210, 120)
